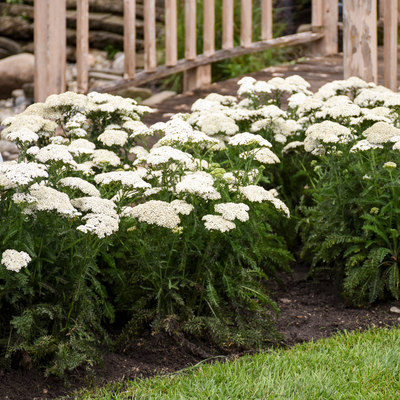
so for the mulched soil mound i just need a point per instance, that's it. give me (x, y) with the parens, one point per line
(310, 310)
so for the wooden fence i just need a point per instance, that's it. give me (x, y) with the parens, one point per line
(359, 41)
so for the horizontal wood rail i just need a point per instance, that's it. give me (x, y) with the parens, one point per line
(163, 71)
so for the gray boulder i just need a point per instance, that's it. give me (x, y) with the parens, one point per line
(14, 72)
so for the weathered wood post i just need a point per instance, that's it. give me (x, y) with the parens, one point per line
(390, 43)
(82, 45)
(150, 58)
(190, 76)
(266, 20)
(325, 15)
(130, 38)
(360, 39)
(50, 48)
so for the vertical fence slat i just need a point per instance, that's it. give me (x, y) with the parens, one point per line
(390, 44)
(326, 17)
(150, 61)
(246, 26)
(204, 74)
(171, 38)
(190, 30)
(57, 46)
(360, 56)
(130, 38)
(266, 20)
(381, 9)
(227, 24)
(190, 80)
(50, 48)
(40, 33)
(209, 27)
(316, 14)
(82, 45)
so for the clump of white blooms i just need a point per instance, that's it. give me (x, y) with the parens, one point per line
(154, 212)
(49, 199)
(165, 154)
(217, 223)
(246, 138)
(181, 207)
(139, 151)
(23, 173)
(389, 165)
(24, 135)
(14, 260)
(132, 179)
(259, 194)
(364, 145)
(55, 153)
(101, 225)
(326, 132)
(381, 132)
(217, 123)
(263, 155)
(111, 137)
(80, 184)
(232, 211)
(105, 157)
(292, 146)
(96, 205)
(199, 184)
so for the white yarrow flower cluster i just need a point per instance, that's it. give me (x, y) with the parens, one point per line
(246, 138)
(263, 155)
(14, 260)
(154, 212)
(23, 135)
(131, 179)
(217, 223)
(112, 137)
(199, 184)
(80, 184)
(23, 173)
(259, 194)
(232, 211)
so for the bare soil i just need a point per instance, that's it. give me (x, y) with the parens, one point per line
(310, 310)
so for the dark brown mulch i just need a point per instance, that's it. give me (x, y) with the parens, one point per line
(309, 311)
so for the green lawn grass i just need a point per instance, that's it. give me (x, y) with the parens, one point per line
(348, 366)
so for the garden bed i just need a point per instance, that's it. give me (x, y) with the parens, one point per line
(310, 310)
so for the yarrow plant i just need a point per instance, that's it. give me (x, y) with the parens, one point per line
(182, 236)
(93, 222)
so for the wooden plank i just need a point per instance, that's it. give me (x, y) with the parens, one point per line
(171, 37)
(266, 20)
(329, 27)
(56, 52)
(204, 73)
(382, 9)
(150, 60)
(360, 40)
(227, 24)
(316, 15)
(130, 38)
(50, 48)
(82, 46)
(190, 77)
(40, 36)
(246, 24)
(390, 44)
(185, 65)
(190, 30)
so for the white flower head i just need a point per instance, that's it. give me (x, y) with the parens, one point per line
(381, 132)
(23, 135)
(80, 184)
(101, 225)
(258, 194)
(14, 260)
(22, 173)
(111, 137)
(232, 211)
(263, 155)
(154, 212)
(100, 157)
(200, 184)
(217, 223)
(246, 138)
